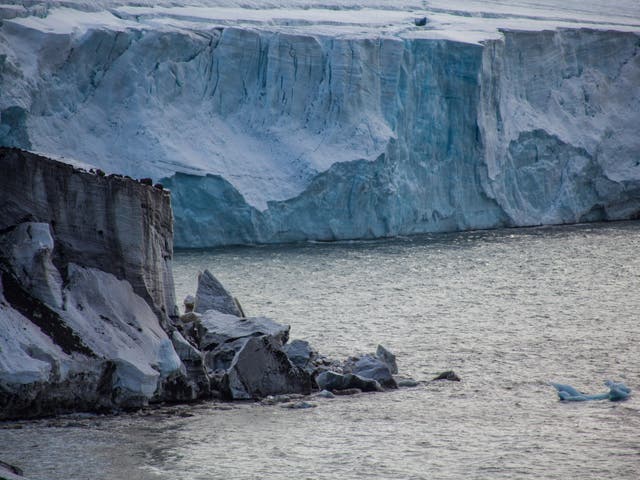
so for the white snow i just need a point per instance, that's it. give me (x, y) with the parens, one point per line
(66, 21)
(458, 18)
(19, 340)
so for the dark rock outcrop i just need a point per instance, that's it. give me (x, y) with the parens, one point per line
(370, 368)
(244, 357)
(216, 328)
(301, 354)
(334, 381)
(87, 314)
(447, 375)
(197, 380)
(388, 358)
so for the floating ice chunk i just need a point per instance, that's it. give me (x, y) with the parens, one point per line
(617, 391)
(568, 389)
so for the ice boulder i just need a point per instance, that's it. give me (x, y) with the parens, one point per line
(261, 368)
(211, 295)
(216, 328)
(617, 392)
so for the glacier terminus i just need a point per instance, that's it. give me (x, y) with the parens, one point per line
(286, 120)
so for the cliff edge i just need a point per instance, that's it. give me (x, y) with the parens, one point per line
(86, 291)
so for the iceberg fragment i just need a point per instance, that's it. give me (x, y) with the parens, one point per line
(617, 391)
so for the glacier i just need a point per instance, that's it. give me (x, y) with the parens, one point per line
(287, 120)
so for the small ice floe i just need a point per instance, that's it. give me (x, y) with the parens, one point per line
(617, 391)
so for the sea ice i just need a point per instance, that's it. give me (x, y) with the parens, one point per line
(617, 391)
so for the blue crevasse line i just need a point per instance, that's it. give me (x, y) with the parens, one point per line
(617, 391)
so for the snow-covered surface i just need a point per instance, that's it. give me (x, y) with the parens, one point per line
(21, 345)
(463, 20)
(267, 95)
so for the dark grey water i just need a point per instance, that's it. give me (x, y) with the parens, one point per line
(507, 310)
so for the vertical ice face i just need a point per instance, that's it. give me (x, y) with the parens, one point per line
(86, 291)
(268, 133)
(559, 121)
(108, 223)
(533, 128)
(427, 178)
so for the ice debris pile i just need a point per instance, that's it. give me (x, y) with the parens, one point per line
(251, 357)
(87, 313)
(273, 121)
(86, 291)
(617, 391)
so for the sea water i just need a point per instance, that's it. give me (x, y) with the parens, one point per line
(507, 310)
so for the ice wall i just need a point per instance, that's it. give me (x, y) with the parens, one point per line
(559, 117)
(272, 133)
(406, 113)
(86, 291)
(113, 224)
(533, 128)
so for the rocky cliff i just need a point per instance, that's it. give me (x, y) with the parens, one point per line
(85, 288)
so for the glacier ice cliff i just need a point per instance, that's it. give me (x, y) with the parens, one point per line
(86, 291)
(281, 124)
(535, 128)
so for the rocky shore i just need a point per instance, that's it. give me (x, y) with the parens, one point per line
(88, 320)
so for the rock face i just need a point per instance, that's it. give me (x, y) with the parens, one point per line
(218, 328)
(388, 358)
(329, 380)
(85, 290)
(367, 373)
(84, 321)
(211, 295)
(369, 367)
(301, 354)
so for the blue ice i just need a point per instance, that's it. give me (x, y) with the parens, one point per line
(617, 391)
